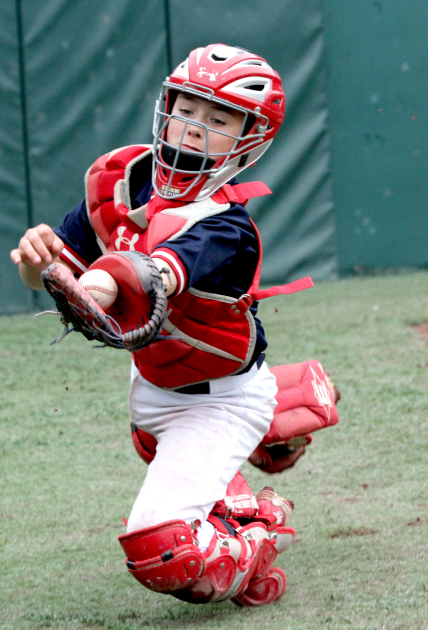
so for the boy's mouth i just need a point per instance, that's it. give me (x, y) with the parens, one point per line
(188, 147)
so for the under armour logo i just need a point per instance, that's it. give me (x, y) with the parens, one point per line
(211, 75)
(125, 240)
(322, 393)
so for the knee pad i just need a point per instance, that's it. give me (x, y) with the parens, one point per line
(163, 558)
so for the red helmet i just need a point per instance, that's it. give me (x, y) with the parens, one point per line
(231, 78)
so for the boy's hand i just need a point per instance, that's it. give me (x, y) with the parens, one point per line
(38, 247)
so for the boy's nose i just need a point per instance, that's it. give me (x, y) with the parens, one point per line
(193, 130)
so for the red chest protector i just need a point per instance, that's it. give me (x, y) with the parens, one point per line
(210, 335)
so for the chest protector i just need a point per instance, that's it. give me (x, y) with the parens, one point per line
(207, 336)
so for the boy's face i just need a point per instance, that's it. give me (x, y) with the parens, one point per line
(214, 116)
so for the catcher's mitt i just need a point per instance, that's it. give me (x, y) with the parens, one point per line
(135, 318)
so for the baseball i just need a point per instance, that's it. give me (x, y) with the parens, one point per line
(101, 286)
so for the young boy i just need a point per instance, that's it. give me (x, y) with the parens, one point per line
(203, 392)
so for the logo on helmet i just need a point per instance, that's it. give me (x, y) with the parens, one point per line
(211, 75)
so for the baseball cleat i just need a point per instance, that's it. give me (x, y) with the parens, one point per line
(271, 503)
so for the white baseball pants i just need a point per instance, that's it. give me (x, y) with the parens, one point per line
(203, 440)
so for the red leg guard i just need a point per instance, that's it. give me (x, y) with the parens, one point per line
(232, 562)
(163, 558)
(306, 401)
(239, 501)
(237, 564)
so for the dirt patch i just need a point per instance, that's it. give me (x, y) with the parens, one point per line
(422, 330)
(418, 521)
(363, 531)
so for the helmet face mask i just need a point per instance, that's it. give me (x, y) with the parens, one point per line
(232, 87)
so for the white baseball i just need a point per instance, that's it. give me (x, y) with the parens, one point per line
(101, 286)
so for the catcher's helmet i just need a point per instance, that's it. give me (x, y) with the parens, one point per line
(230, 78)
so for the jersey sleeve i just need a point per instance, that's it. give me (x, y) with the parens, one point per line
(81, 248)
(218, 254)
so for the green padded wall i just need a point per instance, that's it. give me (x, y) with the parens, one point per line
(378, 94)
(297, 222)
(14, 200)
(80, 78)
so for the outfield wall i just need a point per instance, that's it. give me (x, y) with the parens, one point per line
(80, 78)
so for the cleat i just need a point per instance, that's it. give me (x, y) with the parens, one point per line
(271, 503)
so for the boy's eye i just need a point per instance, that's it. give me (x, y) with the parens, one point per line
(185, 112)
(217, 121)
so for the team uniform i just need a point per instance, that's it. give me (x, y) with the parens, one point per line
(202, 399)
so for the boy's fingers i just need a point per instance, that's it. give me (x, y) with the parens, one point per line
(15, 256)
(57, 245)
(28, 251)
(39, 243)
(33, 248)
(50, 239)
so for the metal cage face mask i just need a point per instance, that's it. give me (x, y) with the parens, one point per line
(177, 171)
(233, 80)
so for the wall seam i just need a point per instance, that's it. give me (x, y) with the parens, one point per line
(24, 124)
(168, 41)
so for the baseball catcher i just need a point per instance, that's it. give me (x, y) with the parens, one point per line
(165, 226)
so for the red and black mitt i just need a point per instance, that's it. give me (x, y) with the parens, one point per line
(135, 318)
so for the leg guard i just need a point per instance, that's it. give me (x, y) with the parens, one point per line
(239, 501)
(231, 561)
(307, 401)
(265, 590)
(163, 558)
(239, 559)
(237, 564)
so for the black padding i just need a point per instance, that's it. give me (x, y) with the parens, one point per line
(168, 555)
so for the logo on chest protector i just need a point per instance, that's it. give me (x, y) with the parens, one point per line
(124, 240)
(322, 393)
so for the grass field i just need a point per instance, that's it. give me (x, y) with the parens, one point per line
(69, 473)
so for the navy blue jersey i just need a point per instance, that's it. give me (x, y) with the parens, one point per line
(218, 254)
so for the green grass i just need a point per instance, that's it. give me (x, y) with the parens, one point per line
(69, 473)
